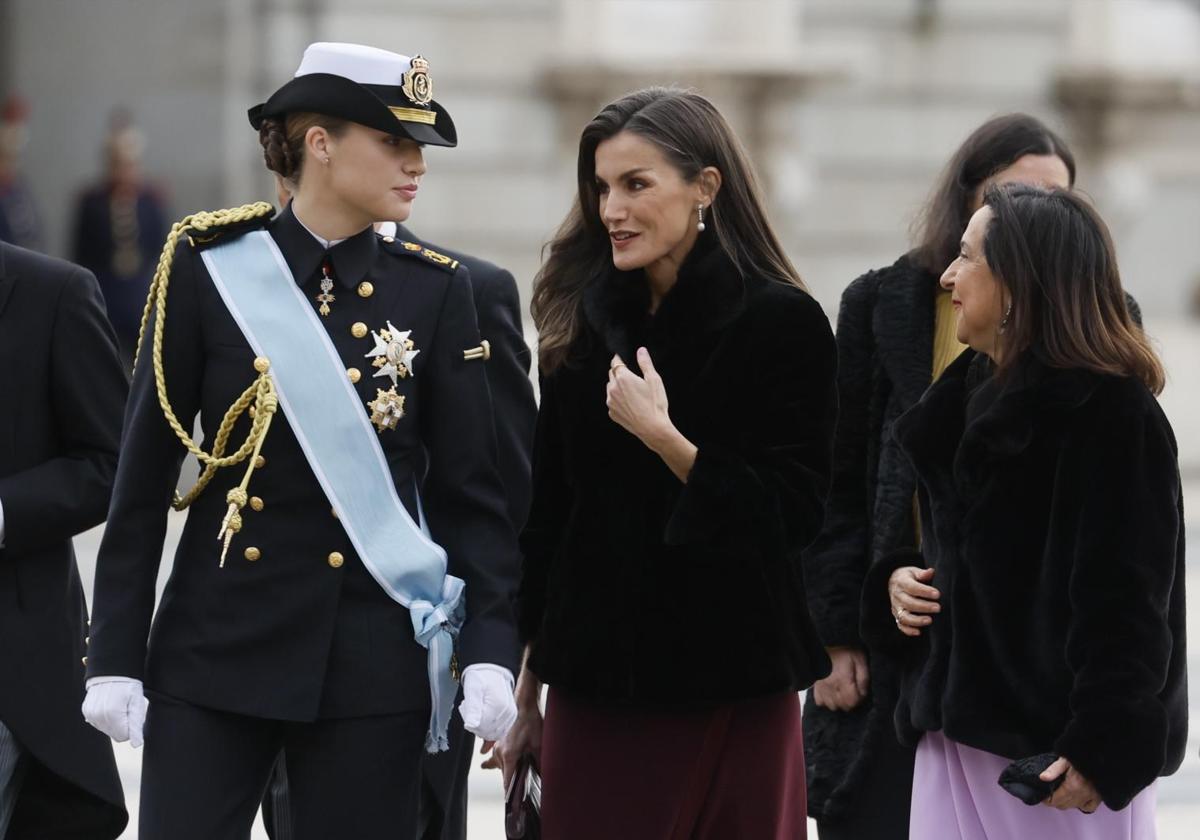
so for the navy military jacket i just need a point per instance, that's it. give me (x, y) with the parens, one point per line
(302, 631)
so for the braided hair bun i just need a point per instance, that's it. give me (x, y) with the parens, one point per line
(276, 151)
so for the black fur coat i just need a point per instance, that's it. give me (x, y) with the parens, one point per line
(1053, 518)
(885, 361)
(638, 588)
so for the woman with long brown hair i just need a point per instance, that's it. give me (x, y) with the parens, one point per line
(1041, 626)
(681, 461)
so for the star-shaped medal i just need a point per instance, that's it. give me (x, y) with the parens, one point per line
(393, 353)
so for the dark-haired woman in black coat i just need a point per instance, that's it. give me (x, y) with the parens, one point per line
(680, 466)
(895, 335)
(1043, 618)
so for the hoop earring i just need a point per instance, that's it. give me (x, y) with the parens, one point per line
(700, 218)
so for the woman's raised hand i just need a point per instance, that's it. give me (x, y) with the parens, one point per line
(638, 404)
(914, 602)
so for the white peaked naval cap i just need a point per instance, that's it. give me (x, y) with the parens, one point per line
(365, 65)
(377, 88)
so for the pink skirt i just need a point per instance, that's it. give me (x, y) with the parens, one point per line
(734, 771)
(956, 797)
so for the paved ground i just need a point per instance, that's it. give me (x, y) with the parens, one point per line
(1179, 796)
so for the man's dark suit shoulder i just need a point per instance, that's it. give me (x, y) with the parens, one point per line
(48, 276)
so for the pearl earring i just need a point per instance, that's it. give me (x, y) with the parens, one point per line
(700, 218)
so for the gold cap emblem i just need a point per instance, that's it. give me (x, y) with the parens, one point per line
(418, 87)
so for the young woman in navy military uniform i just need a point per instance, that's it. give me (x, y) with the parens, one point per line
(288, 631)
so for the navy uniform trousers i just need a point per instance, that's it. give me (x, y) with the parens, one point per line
(442, 798)
(293, 646)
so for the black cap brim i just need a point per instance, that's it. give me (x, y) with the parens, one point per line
(369, 105)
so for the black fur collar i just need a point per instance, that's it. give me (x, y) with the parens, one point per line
(708, 295)
(903, 328)
(938, 439)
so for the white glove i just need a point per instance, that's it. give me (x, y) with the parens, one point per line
(488, 708)
(117, 707)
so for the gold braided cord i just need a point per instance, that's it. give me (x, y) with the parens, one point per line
(260, 394)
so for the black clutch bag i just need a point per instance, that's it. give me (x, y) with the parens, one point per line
(1021, 779)
(523, 803)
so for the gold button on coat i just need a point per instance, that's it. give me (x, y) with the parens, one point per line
(252, 554)
(262, 364)
(256, 503)
(359, 330)
(336, 560)
(260, 462)
(365, 289)
(354, 373)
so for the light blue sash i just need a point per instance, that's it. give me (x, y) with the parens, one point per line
(328, 419)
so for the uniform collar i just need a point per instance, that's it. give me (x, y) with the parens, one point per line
(352, 258)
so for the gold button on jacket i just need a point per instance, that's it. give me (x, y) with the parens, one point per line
(252, 554)
(359, 330)
(336, 560)
(365, 289)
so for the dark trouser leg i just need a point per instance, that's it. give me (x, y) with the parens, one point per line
(357, 777)
(442, 813)
(880, 807)
(203, 772)
(10, 776)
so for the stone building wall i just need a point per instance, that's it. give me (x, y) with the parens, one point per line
(849, 107)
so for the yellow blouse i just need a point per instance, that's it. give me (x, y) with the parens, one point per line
(946, 348)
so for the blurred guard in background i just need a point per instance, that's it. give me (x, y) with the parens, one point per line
(120, 224)
(19, 222)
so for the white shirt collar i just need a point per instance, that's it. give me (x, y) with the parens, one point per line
(325, 243)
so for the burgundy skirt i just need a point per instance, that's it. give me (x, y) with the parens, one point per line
(734, 771)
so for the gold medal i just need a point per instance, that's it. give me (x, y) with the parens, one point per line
(386, 409)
